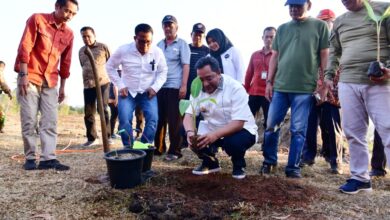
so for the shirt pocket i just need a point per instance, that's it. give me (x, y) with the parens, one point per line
(149, 66)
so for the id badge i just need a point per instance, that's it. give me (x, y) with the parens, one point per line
(264, 75)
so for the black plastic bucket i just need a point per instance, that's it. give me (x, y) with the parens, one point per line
(148, 158)
(125, 173)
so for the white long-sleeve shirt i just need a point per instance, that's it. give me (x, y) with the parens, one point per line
(233, 64)
(139, 72)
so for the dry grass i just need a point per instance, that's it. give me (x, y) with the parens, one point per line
(72, 194)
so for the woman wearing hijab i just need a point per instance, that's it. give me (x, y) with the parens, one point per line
(229, 58)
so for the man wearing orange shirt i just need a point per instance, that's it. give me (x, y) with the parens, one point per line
(46, 44)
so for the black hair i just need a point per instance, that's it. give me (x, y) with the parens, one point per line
(269, 29)
(2, 62)
(208, 60)
(143, 28)
(62, 3)
(85, 28)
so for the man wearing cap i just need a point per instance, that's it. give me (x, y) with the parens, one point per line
(177, 53)
(300, 48)
(326, 114)
(353, 45)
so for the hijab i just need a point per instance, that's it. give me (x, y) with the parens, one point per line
(223, 42)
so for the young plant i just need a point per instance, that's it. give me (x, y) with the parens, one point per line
(196, 87)
(375, 67)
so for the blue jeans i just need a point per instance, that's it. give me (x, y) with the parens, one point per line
(126, 107)
(300, 104)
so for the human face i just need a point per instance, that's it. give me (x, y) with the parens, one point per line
(2, 66)
(268, 37)
(329, 22)
(213, 45)
(89, 38)
(143, 41)
(197, 38)
(210, 79)
(298, 12)
(353, 5)
(65, 13)
(170, 30)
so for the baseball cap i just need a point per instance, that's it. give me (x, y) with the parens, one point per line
(326, 14)
(295, 2)
(169, 19)
(199, 27)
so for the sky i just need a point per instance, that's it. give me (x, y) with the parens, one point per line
(114, 22)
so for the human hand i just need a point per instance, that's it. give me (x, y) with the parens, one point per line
(269, 91)
(385, 76)
(182, 92)
(61, 94)
(207, 139)
(23, 85)
(124, 92)
(9, 95)
(151, 93)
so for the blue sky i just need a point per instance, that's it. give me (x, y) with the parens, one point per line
(114, 22)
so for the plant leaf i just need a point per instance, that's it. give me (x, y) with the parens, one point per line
(385, 14)
(183, 105)
(371, 12)
(196, 87)
(207, 99)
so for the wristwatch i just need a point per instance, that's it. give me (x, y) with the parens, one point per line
(268, 81)
(22, 74)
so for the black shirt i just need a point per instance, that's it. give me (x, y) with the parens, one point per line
(196, 54)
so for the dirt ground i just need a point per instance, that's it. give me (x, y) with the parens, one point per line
(174, 193)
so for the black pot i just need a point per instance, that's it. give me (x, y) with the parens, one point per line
(148, 159)
(375, 69)
(125, 173)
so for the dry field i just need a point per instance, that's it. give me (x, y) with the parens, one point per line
(174, 193)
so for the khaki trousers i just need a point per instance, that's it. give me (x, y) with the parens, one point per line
(41, 100)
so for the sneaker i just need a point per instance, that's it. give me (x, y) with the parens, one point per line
(91, 143)
(204, 169)
(305, 163)
(171, 157)
(52, 164)
(354, 186)
(335, 169)
(294, 175)
(238, 173)
(267, 169)
(377, 173)
(115, 136)
(30, 165)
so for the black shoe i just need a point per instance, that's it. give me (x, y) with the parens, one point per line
(267, 168)
(304, 163)
(377, 173)
(295, 175)
(206, 169)
(30, 165)
(238, 173)
(335, 169)
(52, 164)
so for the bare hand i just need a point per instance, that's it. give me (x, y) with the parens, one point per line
(9, 95)
(182, 92)
(269, 91)
(124, 92)
(23, 85)
(328, 85)
(61, 94)
(151, 93)
(386, 75)
(207, 139)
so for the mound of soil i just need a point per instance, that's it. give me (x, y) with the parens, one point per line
(182, 195)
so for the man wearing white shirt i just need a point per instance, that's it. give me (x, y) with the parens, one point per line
(228, 124)
(144, 71)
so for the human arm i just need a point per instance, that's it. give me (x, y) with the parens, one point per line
(249, 74)
(185, 54)
(188, 124)
(272, 67)
(238, 63)
(335, 52)
(112, 66)
(161, 74)
(23, 82)
(61, 92)
(231, 128)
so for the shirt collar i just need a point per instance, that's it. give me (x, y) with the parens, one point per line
(52, 21)
(263, 51)
(133, 49)
(220, 84)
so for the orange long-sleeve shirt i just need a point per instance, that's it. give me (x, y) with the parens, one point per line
(43, 47)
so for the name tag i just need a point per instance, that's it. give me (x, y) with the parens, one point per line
(264, 75)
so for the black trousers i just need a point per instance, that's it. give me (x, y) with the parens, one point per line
(90, 100)
(113, 116)
(257, 102)
(378, 159)
(327, 116)
(168, 115)
(234, 145)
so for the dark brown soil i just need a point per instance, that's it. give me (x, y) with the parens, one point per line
(182, 195)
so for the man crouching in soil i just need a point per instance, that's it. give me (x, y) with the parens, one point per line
(228, 124)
